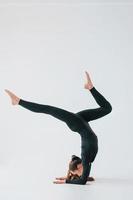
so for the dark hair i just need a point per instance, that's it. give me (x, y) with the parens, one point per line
(75, 160)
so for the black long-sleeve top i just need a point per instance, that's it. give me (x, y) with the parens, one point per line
(89, 141)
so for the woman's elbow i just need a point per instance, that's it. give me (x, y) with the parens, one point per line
(83, 182)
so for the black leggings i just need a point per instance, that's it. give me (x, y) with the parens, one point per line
(78, 122)
(75, 121)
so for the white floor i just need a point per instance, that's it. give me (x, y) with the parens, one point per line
(26, 185)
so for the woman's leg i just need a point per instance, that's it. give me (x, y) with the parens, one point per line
(92, 114)
(72, 120)
(58, 113)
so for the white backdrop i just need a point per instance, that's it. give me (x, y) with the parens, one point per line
(44, 50)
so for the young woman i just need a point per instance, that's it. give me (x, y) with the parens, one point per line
(79, 169)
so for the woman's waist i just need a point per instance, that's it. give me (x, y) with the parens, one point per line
(89, 143)
(89, 137)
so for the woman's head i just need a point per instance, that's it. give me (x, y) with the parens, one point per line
(75, 167)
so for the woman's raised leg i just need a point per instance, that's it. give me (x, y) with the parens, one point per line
(105, 106)
(69, 118)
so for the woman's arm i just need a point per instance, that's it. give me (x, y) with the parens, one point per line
(59, 181)
(61, 178)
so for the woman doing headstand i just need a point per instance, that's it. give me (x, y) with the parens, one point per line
(79, 168)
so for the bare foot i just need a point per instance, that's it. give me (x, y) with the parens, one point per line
(89, 84)
(15, 100)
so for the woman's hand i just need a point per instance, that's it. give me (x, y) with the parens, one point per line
(89, 84)
(59, 181)
(60, 178)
